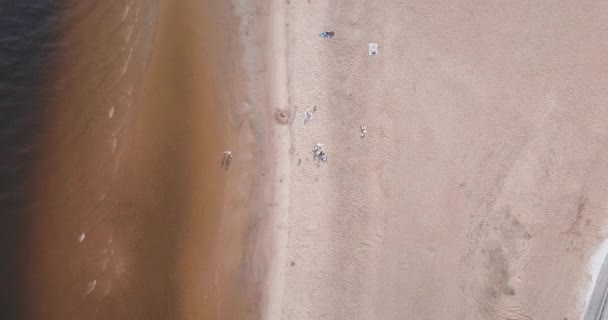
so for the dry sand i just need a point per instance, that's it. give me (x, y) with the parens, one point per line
(480, 189)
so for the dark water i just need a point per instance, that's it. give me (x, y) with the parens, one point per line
(27, 42)
(109, 198)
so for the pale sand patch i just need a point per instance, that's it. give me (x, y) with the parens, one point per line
(276, 69)
(261, 35)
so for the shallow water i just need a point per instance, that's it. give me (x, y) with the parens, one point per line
(113, 126)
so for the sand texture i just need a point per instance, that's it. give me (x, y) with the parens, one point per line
(479, 190)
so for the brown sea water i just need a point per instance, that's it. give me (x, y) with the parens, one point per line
(113, 200)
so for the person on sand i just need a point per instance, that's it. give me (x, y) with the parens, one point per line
(227, 159)
(323, 156)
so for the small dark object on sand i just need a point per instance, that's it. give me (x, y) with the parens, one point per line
(282, 116)
(327, 34)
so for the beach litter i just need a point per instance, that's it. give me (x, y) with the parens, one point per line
(327, 34)
(307, 116)
(373, 49)
(363, 130)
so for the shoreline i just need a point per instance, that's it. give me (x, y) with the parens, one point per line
(132, 216)
(594, 300)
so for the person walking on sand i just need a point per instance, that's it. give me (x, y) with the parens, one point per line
(227, 159)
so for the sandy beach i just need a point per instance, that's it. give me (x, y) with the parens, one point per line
(479, 189)
(463, 173)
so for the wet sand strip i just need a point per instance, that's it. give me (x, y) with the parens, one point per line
(129, 193)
